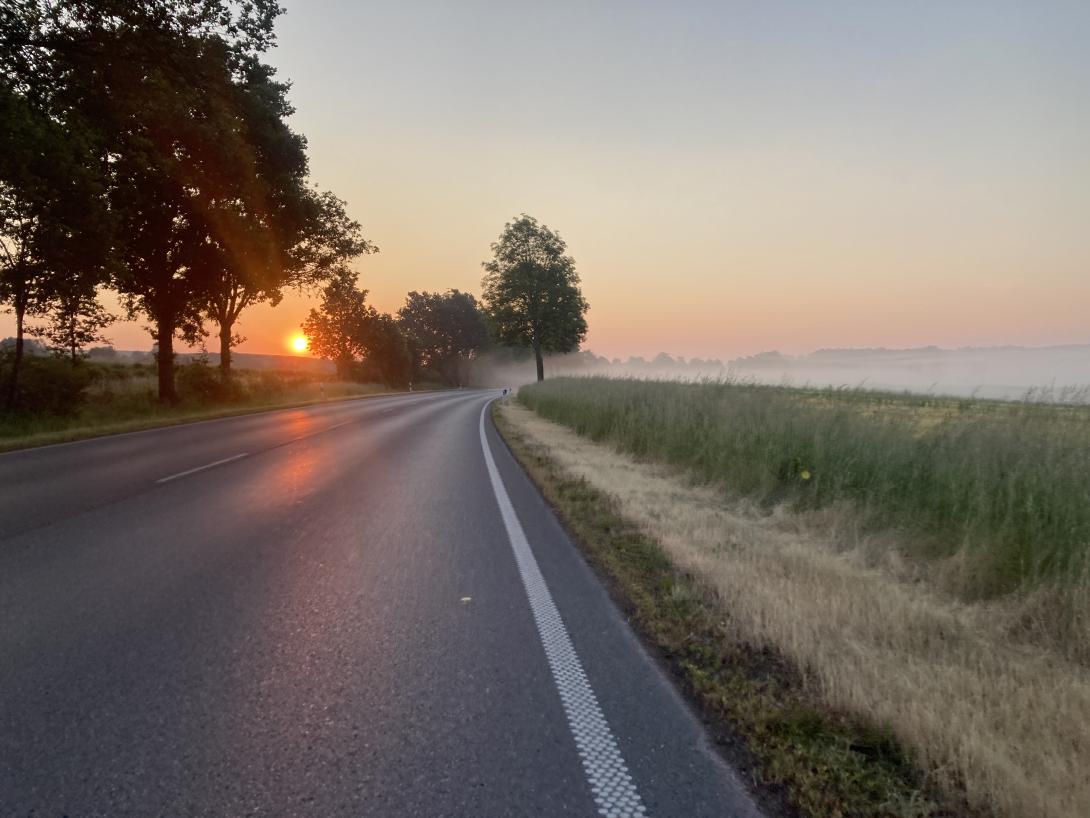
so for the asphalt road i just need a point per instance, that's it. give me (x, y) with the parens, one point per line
(328, 611)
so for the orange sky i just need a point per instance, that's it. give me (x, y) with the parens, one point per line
(730, 178)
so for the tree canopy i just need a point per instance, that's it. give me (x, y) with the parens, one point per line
(447, 330)
(53, 221)
(362, 342)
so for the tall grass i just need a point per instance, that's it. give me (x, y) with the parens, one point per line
(998, 492)
(120, 397)
(975, 692)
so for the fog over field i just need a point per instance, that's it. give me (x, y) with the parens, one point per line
(1008, 372)
(1052, 373)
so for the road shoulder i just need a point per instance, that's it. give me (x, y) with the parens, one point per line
(801, 757)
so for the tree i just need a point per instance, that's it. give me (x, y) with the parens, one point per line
(531, 291)
(297, 237)
(361, 341)
(53, 224)
(158, 86)
(173, 150)
(335, 330)
(446, 330)
(388, 356)
(76, 319)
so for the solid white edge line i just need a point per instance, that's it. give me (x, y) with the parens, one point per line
(201, 468)
(613, 789)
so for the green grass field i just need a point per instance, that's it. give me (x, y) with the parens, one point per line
(1003, 486)
(920, 562)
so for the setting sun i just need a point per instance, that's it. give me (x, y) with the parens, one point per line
(299, 343)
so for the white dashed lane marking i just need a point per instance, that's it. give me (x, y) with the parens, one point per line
(614, 792)
(202, 468)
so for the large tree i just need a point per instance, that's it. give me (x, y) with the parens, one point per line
(54, 226)
(388, 355)
(447, 330)
(361, 341)
(531, 291)
(334, 329)
(292, 236)
(158, 85)
(75, 318)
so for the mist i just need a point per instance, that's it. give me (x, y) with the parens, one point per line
(1052, 373)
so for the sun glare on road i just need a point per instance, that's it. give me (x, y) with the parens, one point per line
(299, 343)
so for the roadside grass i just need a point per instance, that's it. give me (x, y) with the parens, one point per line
(992, 498)
(848, 630)
(122, 398)
(765, 717)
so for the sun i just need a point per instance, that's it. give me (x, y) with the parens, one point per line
(300, 343)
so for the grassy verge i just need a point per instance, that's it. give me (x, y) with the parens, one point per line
(122, 399)
(820, 762)
(992, 497)
(824, 657)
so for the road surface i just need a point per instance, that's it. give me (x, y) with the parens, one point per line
(361, 608)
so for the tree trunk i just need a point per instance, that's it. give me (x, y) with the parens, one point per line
(540, 363)
(344, 369)
(165, 360)
(17, 361)
(225, 348)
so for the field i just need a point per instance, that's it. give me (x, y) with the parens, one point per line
(109, 398)
(921, 561)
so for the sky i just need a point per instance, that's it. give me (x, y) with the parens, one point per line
(730, 177)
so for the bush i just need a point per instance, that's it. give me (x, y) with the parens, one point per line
(47, 385)
(199, 382)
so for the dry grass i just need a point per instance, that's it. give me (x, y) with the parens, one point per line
(995, 720)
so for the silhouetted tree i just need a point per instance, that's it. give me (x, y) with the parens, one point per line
(388, 356)
(76, 318)
(298, 237)
(335, 330)
(531, 291)
(361, 341)
(53, 223)
(446, 330)
(157, 84)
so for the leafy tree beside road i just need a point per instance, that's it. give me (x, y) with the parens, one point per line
(76, 319)
(531, 291)
(357, 338)
(299, 238)
(181, 136)
(53, 224)
(447, 330)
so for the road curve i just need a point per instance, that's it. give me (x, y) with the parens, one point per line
(354, 609)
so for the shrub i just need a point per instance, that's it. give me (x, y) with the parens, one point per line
(48, 385)
(199, 382)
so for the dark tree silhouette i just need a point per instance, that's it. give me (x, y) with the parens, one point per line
(54, 228)
(447, 330)
(158, 86)
(335, 329)
(297, 237)
(361, 341)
